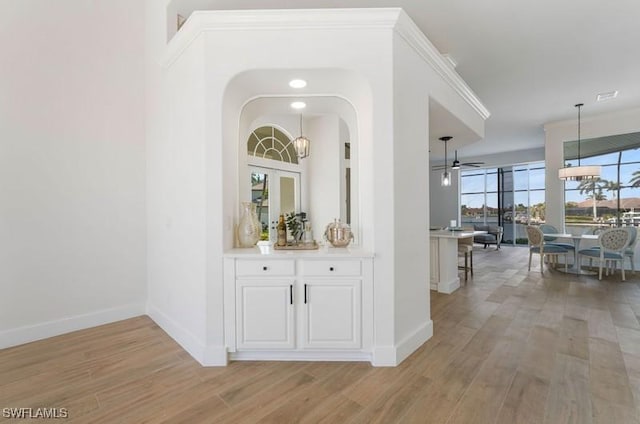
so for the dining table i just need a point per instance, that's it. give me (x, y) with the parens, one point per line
(576, 238)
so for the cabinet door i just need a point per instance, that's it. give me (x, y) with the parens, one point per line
(332, 314)
(264, 314)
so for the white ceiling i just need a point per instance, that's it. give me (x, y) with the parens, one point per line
(528, 61)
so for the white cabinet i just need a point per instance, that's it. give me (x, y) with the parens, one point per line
(332, 314)
(264, 314)
(299, 308)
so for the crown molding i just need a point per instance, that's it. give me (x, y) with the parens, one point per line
(409, 31)
(304, 19)
(277, 19)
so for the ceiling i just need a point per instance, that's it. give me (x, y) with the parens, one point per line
(528, 62)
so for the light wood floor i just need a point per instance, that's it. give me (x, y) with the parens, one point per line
(510, 347)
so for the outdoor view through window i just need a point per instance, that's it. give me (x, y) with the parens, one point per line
(514, 196)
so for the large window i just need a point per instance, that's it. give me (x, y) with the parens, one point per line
(510, 196)
(479, 196)
(612, 199)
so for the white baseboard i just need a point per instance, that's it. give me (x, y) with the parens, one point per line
(301, 355)
(215, 356)
(205, 355)
(30, 333)
(412, 342)
(391, 356)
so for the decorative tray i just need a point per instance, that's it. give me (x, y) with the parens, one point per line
(301, 246)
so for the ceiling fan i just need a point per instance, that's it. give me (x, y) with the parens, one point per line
(456, 163)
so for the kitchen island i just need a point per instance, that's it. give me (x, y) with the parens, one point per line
(444, 258)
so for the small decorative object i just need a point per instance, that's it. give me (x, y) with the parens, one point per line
(282, 232)
(180, 21)
(248, 232)
(258, 224)
(294, 226)
(307, 237)
(338, 234)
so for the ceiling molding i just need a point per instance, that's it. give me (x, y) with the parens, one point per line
(277, 19)
(317, 19)
(410, 32)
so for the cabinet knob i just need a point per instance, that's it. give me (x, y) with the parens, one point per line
(264, 268)
(330, 268)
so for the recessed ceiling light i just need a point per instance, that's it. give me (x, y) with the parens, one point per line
(298, 105)
(607, 96)
(297, 83)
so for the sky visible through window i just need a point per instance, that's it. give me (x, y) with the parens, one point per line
(473, 181)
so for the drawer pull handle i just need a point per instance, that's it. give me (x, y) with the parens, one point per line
(331, 269)
(291, 294)
(305, 293)
(264, 268)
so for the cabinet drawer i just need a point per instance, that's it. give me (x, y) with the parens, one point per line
(328, 268)
(249, 267)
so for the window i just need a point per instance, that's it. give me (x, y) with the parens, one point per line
(275, 182)
(479, 196)
(613, 198)
(271, 143)
(510, 196)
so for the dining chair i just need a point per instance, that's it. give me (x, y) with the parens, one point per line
(537, 245)
(629, 251)
(550, 241)
(465, 248)
(612, 245)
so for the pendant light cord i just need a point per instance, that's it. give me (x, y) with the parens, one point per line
(579, 106)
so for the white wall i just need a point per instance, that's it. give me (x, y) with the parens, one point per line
(410, 179)
(176, 190)
(72, 159)
(622, 122)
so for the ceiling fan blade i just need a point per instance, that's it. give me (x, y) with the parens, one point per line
(473, 163)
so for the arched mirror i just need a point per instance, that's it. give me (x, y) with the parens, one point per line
(274, 190)
(322, 185)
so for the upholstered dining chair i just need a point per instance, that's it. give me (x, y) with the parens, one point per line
(551, 241)
(612, 244)
(465, 248)
(629, 251)
(537, 245)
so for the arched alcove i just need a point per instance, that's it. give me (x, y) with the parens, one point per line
(336, 107)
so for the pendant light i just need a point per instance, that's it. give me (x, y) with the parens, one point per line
(301, 144)
(445, 178)
(579, 173)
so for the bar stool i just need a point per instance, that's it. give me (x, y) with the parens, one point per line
(465, 248)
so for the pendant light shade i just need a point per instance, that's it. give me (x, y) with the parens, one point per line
(579, 173)
(445, 178)
(301, 144)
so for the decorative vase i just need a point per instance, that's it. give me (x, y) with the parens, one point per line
(248, 231)
(258, 224)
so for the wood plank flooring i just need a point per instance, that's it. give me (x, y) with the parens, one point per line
(511, 346)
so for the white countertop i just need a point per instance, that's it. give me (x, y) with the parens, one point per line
(454, 234)
(322, 252)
